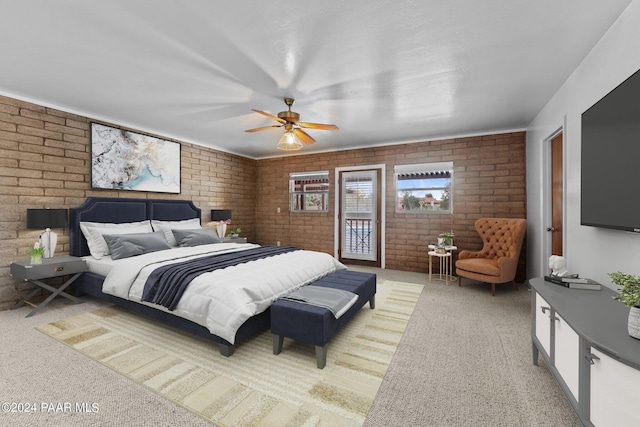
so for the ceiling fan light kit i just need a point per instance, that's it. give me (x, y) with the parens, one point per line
(293, 136)
(289, 142)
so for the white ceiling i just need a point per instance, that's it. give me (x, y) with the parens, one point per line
(382, 71)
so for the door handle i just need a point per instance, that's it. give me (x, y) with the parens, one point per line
(552, 229)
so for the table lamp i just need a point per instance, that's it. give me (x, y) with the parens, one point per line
(47, 219)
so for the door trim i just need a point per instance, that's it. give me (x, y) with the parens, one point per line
(383, 215)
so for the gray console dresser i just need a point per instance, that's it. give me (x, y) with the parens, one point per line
(582, 336)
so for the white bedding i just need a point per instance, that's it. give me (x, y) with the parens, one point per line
(100, 266)
(221, 300)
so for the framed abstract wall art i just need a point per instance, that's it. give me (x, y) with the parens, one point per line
(126, 160)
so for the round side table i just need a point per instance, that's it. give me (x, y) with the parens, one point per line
(451, 261)
(445, 265)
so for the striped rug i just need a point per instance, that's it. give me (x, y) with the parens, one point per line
(254, 386)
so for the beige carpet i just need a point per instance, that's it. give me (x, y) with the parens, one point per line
(253, 386)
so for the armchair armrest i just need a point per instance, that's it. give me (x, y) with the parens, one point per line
(471, 254)
(508, 267)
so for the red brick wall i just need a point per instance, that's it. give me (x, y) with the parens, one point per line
(44, 162)
(488, 181)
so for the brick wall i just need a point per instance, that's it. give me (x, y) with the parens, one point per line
(44, 163)
(489, 181)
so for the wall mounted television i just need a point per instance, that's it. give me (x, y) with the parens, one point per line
(610, 182)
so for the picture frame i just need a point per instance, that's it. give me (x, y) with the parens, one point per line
(126, 160)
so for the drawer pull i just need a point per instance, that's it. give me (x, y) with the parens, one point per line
(591, 357)
(544, 309)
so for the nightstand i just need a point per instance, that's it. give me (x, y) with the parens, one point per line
(235, 240)
(49, 268)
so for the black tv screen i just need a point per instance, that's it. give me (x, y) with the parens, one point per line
(610, 184)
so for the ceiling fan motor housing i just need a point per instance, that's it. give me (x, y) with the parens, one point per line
(290, 116)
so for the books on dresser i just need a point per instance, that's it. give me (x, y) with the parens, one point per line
(574, 282)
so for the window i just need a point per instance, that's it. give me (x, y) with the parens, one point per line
(309, 191)
(424, 187)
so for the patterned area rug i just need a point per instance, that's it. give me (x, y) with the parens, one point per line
(254, 386)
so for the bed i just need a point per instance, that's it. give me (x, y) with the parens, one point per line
(123, 211)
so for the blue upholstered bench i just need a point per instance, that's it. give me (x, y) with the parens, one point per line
(317, 325)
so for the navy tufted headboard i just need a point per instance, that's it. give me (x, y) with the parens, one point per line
(119, 210)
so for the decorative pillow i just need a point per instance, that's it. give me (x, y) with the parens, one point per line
(200, 236)
(93, 232)
(128, 245)
(167, 226)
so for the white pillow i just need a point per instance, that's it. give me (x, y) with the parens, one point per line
(93, 232)
(167, 226)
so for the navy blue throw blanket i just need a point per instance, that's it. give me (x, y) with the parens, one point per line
(166, 284)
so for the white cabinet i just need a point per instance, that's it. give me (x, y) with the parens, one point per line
(582, 335)
(614, 392)
(541, 314)
(560, 343)
(567, 354)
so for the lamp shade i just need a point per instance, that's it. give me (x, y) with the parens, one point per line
(47, 218)
(220, 214)
(289, 142)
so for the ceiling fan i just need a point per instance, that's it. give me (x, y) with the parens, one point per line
(293, 132)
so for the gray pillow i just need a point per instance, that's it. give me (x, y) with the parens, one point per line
(196, 237)
(128, 245)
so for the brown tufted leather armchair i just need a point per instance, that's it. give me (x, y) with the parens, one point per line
(497, 262)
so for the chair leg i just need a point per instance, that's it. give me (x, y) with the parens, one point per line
(493, 289)
(515, 285)
(459, 280)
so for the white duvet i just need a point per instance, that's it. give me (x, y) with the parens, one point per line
(224, 299)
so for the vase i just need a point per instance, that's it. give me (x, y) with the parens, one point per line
(634, 322)
(221, 229)
(36, 259)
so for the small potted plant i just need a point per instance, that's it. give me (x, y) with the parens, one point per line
(234, 233)
(448, 238)
(629, 295)
(36, 250)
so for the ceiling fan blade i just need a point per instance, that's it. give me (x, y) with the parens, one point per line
(263, 128)
(319, 126)
(271, 116)
(303, 136)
